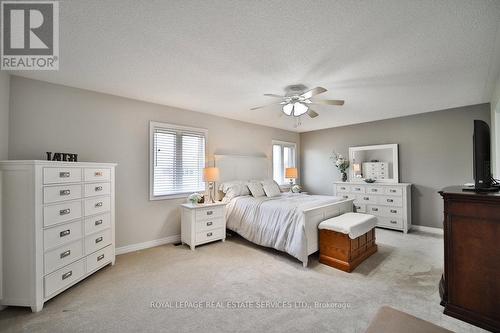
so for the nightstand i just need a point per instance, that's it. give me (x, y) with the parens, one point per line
(202, 223)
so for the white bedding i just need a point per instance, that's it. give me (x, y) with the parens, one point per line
(276, 222)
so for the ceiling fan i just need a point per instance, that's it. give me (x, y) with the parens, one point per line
(297, 100)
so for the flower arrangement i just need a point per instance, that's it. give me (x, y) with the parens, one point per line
(195, 198)
(296, 188)
(341, 163)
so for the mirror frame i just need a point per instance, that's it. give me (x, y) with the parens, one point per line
(395, 162)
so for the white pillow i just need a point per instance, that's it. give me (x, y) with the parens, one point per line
(225, 186)
(256, 189)
(269, 182)
(234, 189)
(272, 189)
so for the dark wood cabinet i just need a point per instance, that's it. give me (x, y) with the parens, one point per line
(470, 286)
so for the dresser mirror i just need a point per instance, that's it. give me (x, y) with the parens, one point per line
(377, 162)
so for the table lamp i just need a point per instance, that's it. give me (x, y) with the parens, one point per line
(291, 173)
(210, 175)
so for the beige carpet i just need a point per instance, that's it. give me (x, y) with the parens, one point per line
(403, 274)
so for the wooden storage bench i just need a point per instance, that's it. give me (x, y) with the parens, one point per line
(336, 247)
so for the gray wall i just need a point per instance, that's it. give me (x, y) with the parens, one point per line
(495, 129)
(4, 115)
(105, 128)
(4, 144)
(435, 150)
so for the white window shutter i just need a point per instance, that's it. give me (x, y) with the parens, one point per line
(284, 156)
(178, 161)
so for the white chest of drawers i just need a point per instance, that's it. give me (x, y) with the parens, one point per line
(58, 227)
(375, 170)
(389, 202)
(202, 224)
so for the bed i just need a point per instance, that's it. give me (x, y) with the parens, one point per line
(288, 222)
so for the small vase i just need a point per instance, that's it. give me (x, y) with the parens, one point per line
(344, 176)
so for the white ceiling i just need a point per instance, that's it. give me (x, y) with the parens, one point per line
(386, 58)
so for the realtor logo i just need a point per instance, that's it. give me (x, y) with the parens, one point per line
(30, 35)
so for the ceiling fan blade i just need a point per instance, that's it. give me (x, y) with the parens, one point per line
(313, 92)
(274, 95)
(312, 114)
(260, 107)
(329, 102)
(265, 106)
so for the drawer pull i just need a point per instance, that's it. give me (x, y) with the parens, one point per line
(366, 198)
(98, 222)
(357, 189)
(394, 211)
(65, 254)
(210, 212)
(67, 275)
(392, 191)
(100, 257)
(209, 224)
(98, 188)
(98, 173)
(374, 190)
(358, 207)
(390, 200)
(64, 233)
(99, 204)
(394, 222)
(64, 211)
(342, 188)
(64, 192)
(209, 234)
(345, 196)
(98, 240)
(64, 174)
(375, 209)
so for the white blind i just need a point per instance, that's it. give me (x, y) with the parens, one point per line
(179, 159)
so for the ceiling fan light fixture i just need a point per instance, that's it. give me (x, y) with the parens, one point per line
(287, 109)
(299, 109)
(296, 102)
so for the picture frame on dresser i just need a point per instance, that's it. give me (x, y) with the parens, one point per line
(58, 227)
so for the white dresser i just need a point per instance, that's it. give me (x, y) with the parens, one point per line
(203, 223)
(58, 227)
(389, 202)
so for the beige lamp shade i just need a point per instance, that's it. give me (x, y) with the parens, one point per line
(211, 174)
(291, 173)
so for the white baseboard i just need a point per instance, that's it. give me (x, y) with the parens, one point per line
(148, 244)
(430, 230)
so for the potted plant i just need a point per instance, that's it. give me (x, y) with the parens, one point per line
(195, 198)
(341, 163)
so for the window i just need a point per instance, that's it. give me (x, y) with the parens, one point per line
(177, 160)
(284, 156)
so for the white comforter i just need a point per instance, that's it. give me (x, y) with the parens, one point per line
(275, 222)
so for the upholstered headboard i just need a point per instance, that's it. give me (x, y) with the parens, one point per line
(242, 167)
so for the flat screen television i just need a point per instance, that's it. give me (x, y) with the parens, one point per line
(482, 158)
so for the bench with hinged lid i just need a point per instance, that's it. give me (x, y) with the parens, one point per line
(346, 240)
